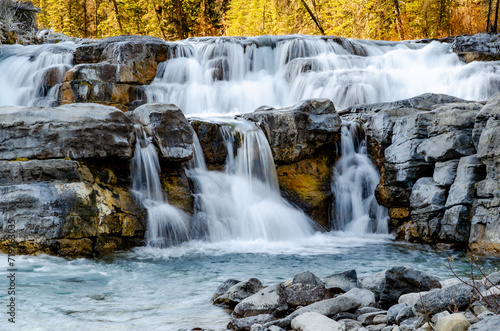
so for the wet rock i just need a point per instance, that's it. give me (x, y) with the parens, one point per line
(470, 170)
(478, 47)
(76, 131)
(211, 140)
(455, 225)
(296, 132)
(453, 322)
(245, 324)
(26, 172)
(342, 282)
(312, 321)
(452, 298)
(222, 288)
(445, 172)
(270, 300)
(402, 280)
(169, 128)
(237, 293)
(307, 278)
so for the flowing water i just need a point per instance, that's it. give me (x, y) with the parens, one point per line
(241, 227)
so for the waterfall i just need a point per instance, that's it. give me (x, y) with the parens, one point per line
(355, 208)
(32, 75)
(238, 75)
(243, 202)
(167, 225)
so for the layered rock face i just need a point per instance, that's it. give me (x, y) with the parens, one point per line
(65, 178)
(439, 167)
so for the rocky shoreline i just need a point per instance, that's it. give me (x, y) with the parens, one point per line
(396, 299)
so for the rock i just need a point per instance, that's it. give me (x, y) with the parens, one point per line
(366, 310)
(342, 282)
(210, 135)
(451, 298)
(446, 146)
(394, 311)
(304, 294)
(378, 327)
(485, 315)
(374, 282)
(470, 170)
(478, 47)
(350, 325)
(312, 321)
(366, 297)
(455, 225)
(307, 278)
(238, 292)
(222, 288)
(245, 324)
(404, 314)
(368, 318)
(168, 127)
(491, 297)
(445, 172)
(329, 307)
(411, 324)
(436, 317)
(380, 319)
(479, 309)
(449, 282)
(270, 300)
(427, 196)
(26, 172)
(296, 132)
(453, 322)
(402, 280)
(343, 316)
(411, 299)
(77, 131)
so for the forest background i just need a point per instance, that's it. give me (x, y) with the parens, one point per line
(179, 19)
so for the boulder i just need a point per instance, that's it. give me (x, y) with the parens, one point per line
(222, 288)
(455, 225)
(366, 297)
(404, 314)
(212, 140)
(469, 171)
(342, 282)
(478, 47)
(168, 127)
(76, 131)
(312, 321)
(374, 282)
(245, 324)
(270, 300)
(238, 292)
(452, 298)
(368, 318)
(453, 322)
(393, 312)
(445, 172)
(402, 280)
(490, 323)
(304, 294)
(296, 132)
(307, 278)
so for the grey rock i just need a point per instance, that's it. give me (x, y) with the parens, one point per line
(77, 131)
(427, 196)
(378, 327)
(236, 293)
(169, 128)
(366, 310)
(455, 322)
(342, 282)
(374, 282)
(485, 226)
(411, 324)
(270, 300)
(366, 297)
(343, 316)
(312, 321)
(329, 307)
(294, 133)
(470, 170)
(491, 280)
(245, 324)
(368, 318)
(455, 225)
(26, 172)
(350, 325)
(380, 319)
(411, 298)
(402, 280)
(436, 317)
(454, 117)
(393, 311)
(304, 294)
(486, 315)
(404, 314)
(445, 172)
(451, 298)
(222, 288)
(308, 278)
(447, 146)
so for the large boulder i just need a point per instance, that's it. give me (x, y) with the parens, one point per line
(270, 300)
(76, 131)
(168, 127)
(238, 292)
(452, 298)
(313, 321)
(478, 47)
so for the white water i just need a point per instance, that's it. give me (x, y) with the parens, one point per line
(24, 71)
(243, 202)
(355, 208)
(237, 75)
(167, 225)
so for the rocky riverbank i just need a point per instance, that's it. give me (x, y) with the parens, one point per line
(397, 299)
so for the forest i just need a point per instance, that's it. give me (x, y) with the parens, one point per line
(179, 19)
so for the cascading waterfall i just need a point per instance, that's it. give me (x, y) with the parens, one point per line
(355, 208)
(32, 75)
(167, 225)
(237, 75)
(244, 201)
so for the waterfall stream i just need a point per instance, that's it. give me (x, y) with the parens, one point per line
(355, 208)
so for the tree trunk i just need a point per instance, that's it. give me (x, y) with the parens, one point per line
(313, 17)
(399, 24)
(85, 26)
(494, 29)
(118, 16)
(181, 28)
(159, 19)
(488, 20)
